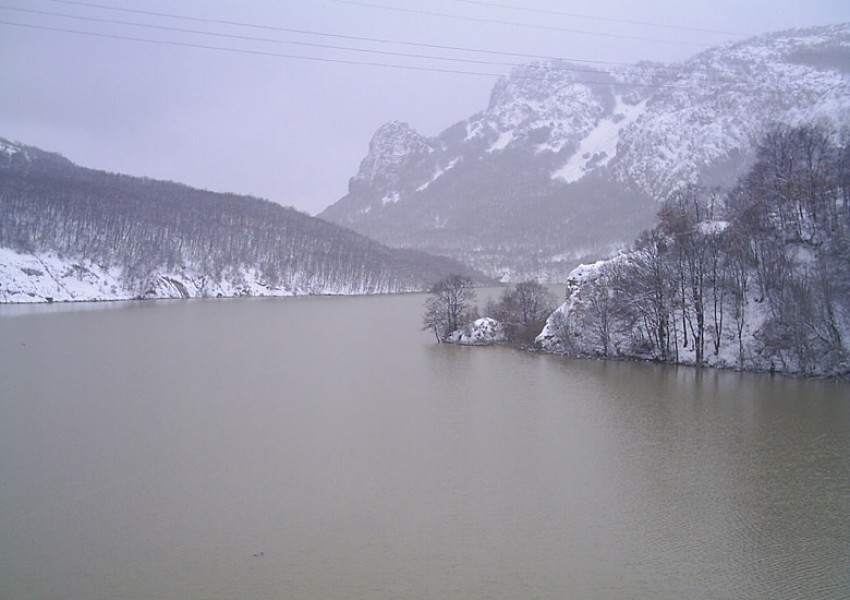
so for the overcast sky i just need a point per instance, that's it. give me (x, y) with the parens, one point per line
(243, 115)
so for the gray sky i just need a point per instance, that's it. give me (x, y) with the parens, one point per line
(294, 130)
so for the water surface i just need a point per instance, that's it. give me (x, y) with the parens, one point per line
(151, 450)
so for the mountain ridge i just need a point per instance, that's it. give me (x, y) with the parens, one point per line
(557, 140)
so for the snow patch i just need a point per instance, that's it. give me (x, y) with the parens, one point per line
(437, 174)
(390, 198)
(8, 148)
(505, 138)
(599, 146)
(473, 130)
(713, 227)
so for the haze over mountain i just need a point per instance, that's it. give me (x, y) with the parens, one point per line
(221, 98)
(71, 233)
(567, 162)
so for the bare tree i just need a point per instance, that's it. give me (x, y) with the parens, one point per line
(681, 217)
(765, 263)
(450, 306)
(523, 309)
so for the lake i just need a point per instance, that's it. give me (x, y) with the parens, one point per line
(327, 448)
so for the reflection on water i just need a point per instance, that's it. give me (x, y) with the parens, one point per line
(153, 449)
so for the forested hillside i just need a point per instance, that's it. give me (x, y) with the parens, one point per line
(755, 278)
(87, 234)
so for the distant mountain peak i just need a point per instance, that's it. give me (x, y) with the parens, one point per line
(394, 147)
(558, 141)
(540, 81)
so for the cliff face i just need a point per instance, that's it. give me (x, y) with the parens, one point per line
(567, 162)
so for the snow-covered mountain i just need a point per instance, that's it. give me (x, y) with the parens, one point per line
(567, 162)
(70, 233)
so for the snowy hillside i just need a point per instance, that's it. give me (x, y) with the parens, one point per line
(703, 127)
(567, 162)
(69, 233)
(753, 279)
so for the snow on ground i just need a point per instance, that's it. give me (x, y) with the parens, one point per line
(599, 146)
(712, 227)
(482, 332)
(45, 277)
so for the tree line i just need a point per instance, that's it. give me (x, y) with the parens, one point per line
(757, 277)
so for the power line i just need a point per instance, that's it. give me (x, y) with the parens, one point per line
(242, 50)
(514, 23)
(317, 58)
(604, 19)
(384, 7)
(339, 36)
(265, 40)
(305, 44)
